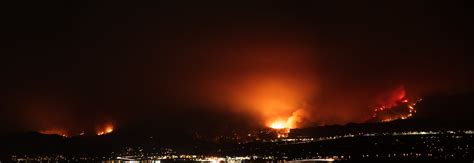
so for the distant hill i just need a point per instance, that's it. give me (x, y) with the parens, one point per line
(450, 112)
(447, 112)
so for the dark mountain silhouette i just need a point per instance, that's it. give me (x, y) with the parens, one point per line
(452, 112)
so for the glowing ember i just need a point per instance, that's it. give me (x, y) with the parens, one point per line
(106, 130)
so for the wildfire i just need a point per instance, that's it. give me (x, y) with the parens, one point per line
(282, 126)
(289, 123)
(278, 125)
(105, 130)
(54, 132)
(396, 106)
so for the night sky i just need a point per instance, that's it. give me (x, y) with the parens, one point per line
(190, 65)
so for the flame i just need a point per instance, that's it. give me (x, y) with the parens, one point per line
(289, 123)
(105, 130)
(271, 99)
(387, 114)
(278, 125)
(283, 126)
(393, 98)
(395, 106)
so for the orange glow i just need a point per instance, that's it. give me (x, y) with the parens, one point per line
(278, 103)
(274, 101)
(290, 122)
(282, 128)
(278, 125)
(393, 98)
(54, 132)
(105, 130)
(266, 80)
(396, 106)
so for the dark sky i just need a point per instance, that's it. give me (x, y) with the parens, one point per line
(76, 65)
